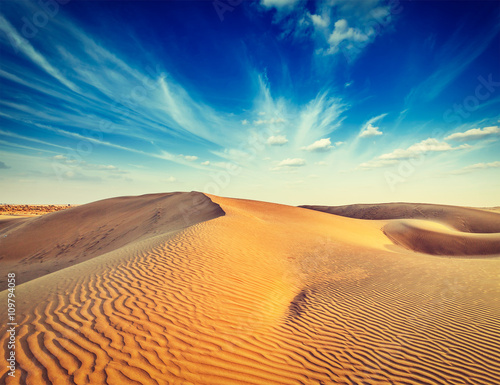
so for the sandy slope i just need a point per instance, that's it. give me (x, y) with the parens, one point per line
(432, 229)
(432, 238)
(266, 294)
(33, 247)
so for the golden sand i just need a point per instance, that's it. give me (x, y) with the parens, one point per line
(265, 294)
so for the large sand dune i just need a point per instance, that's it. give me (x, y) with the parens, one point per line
(42, 245)
(432, 229)
(265, 294)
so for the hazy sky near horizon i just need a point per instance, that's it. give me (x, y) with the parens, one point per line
(329, 102)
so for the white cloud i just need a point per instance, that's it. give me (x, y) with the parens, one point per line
(244, 122)
(369, 129)
(342, 33)
(289, 163)
(339, 143)
(475, 133)
(170, 179)
(319, 145)
(206, 163)
(478, 166)
(320, 21)
(321, 163)
(421, 148)
(278, 140)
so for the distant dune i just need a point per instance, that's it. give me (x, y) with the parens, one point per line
(432, 229)
(195, 289)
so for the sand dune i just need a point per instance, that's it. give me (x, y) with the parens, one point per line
(41, 245)
(431, 229)
(430, 238)
(465, 219)
(265, 294)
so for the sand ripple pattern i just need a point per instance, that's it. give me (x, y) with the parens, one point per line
(211, 306)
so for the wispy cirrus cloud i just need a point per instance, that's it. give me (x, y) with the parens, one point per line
(100, 92)
(319, 118)
(30, 139)
(31, 53)
(142, 109)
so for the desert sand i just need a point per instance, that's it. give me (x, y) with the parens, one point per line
(186, 288)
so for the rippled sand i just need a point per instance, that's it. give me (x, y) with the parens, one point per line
(232, 291)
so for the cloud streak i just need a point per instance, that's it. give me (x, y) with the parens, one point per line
(475, 134)
(27, 49)
(477, 166)
(290, 163)
(430, 145)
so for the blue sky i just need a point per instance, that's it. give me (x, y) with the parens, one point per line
(329, 102)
